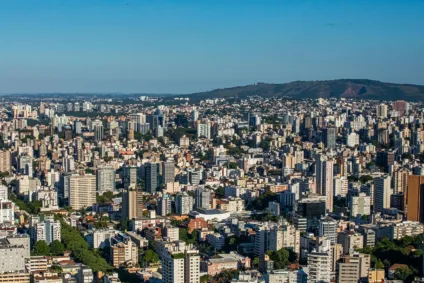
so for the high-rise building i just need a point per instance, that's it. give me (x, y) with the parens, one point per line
(130, 176)
(329, 137)
(138, 119)
(44, 229)
(284, 236)
(132, 203)
(181, 265)
(168, 172)
(382, 111)
(324, 180)
(204, 130)
(354, 268)
(319, 263)
(184, 142)
(7, 211)
(360, 205)
(183, 203)
(82, 191)
(328, 229)
(78, 127)
(151, 174)
(5, 161)
(124, 252)
(203, 198)
(105, 179)
(4, 194)
(98, 132)
(382, 193)
(164, 205)
(130, 130)
(401, 106)
(401, 180)
(415, 198)
(14, 252)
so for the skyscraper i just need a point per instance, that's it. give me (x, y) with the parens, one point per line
(168, 172)
(415, 198)
(46, 229)
(328, 228)
(382, 110)
(183, 203)
(181, 265)
(5, 161)
(324, 179)
(203, 198)
(82, 191)
(164, 206)
(204, 130)
(130, 176)
(130, 130)
(329, 137)
(132, 203)
(105, 179)
(78, 127)
(98, 132)
(382, 193)
(319, 263)
(151, 174)
(138, 119)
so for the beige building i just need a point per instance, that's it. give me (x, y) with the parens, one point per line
(132, 203)
(82, 191)
(14, 278)
(376, 276)
(5, 161)
(124, 253)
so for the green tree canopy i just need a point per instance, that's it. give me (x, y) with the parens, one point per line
(41, 248)
(57, 248)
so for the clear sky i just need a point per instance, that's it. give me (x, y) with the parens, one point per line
(188, 46)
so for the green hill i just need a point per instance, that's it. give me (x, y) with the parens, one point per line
(347, 88)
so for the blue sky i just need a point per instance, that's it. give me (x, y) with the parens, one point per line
(189, 46)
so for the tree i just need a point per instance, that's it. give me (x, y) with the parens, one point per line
(220, 192)
(41, 248)
(57, 248)
(404, 273)
(281, 258)
(365, 178)
(149, 257)
(205, 278)
(255, 262)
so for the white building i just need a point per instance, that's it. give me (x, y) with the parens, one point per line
(352, 139)
(360, 205)
(183, 203)
(46, 229)
(100, 239)
(319, 263)
(204, 130)
(180, 264)
(7, 211)
(407, 228)
(48, 198)
(105, 179)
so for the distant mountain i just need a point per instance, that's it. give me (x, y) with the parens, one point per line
(347, 88)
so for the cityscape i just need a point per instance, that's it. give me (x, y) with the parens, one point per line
(162, 189)
(211, 141)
